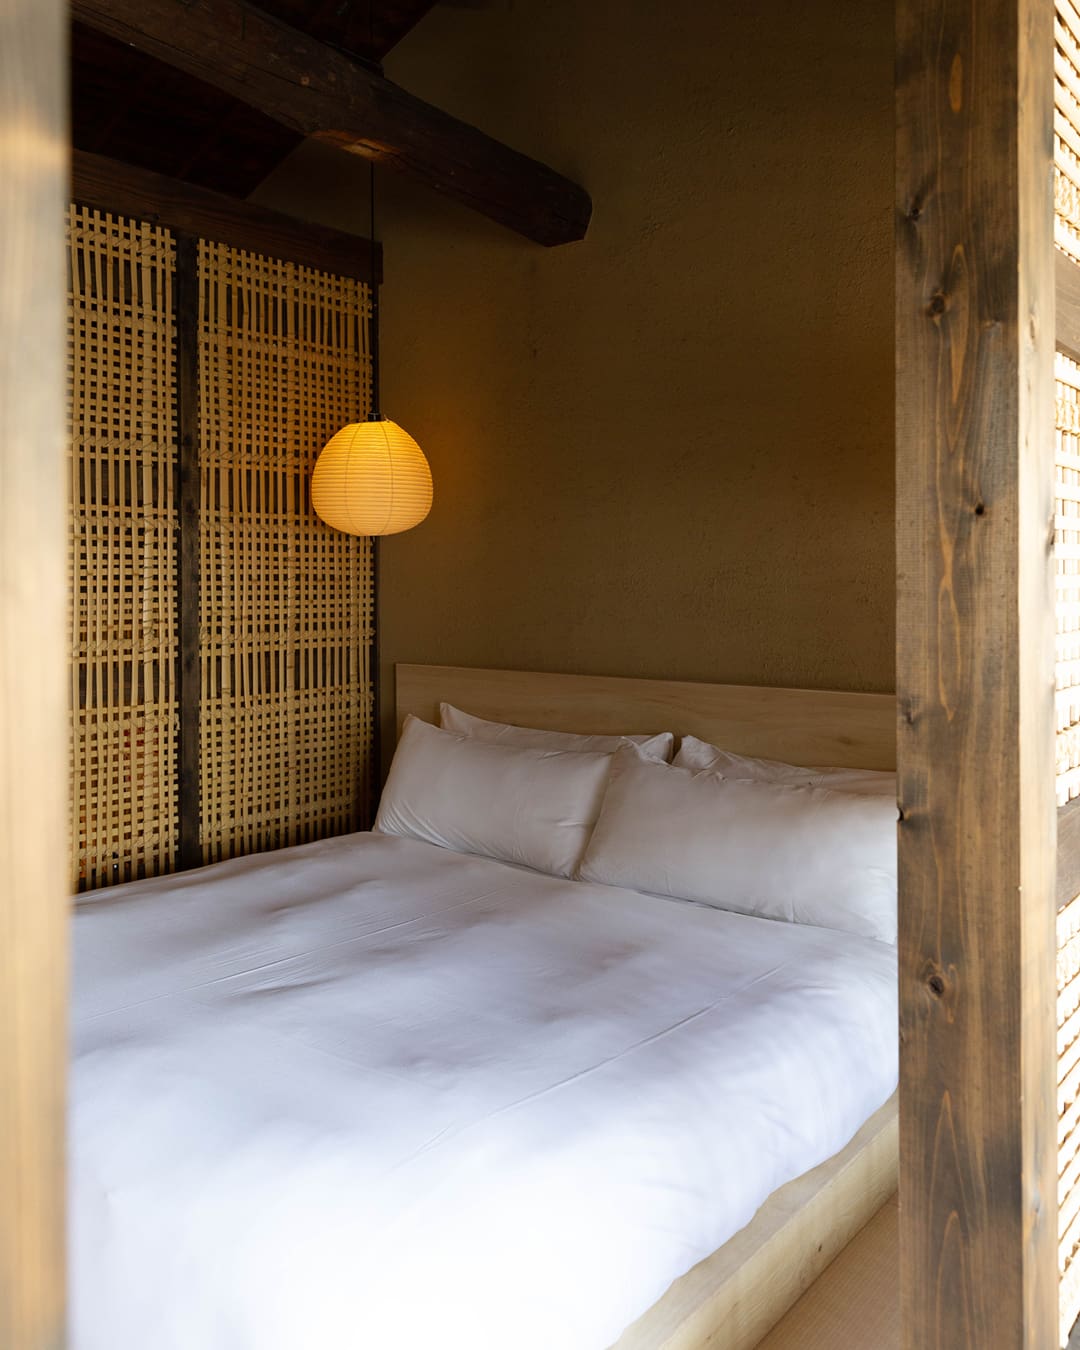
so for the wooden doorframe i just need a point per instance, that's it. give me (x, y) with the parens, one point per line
(975, 664)
(33, 659)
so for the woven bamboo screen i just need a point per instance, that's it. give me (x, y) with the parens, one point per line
(1067, 508)
(280, 710)
(1067, 576)
(123, 549)
(1068, 1019)
(1067, 128)
(287, 603)
(1067, 655)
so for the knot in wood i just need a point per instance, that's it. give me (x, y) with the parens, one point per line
(933, 977)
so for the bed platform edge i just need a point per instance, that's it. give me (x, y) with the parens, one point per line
(733, 1298)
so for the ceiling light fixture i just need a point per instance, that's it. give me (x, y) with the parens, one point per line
(371, 478)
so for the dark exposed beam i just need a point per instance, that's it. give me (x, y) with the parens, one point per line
(317, 91)
(369, 29)
(128, 191)
(128, 106)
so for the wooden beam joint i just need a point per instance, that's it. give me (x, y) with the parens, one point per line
(318, 91)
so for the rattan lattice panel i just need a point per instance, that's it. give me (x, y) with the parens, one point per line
(1067, 576)
(122, 549)
(287, 603)
(1067, 128)
(1068, 1020)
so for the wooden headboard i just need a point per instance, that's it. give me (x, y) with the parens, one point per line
(801, 726)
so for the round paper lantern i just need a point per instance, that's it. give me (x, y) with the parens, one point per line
(371, 478)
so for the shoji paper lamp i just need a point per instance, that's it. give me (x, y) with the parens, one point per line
(371, 477)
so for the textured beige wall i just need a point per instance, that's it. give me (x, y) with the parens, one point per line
(668, 450)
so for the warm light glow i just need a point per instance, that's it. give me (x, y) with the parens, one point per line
(371, 478)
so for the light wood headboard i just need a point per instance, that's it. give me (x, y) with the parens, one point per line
(801, 726)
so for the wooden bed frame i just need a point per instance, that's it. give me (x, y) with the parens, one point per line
(730, 1300)
(800, 726)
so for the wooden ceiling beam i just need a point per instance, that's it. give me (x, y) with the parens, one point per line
(368, 30)
(126, 190)
(308, 86)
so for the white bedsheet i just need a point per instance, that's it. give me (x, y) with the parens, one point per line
(367, 1094)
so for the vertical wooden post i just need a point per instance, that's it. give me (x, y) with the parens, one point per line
(33, 661)
(974, 422)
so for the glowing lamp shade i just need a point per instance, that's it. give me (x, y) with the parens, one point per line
(371, 478)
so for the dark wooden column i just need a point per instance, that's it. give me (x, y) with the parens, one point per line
(33, 672)
(974, 423)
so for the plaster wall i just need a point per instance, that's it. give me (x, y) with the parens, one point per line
(668, 450)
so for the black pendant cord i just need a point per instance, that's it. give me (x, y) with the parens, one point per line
(375, 415)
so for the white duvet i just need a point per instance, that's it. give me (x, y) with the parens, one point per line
(367, 1094)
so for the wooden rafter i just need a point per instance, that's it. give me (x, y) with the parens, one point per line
(317, 91)
(368, 29)
(132, 108)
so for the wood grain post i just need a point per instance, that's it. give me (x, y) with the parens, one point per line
(975, 456)
(33, 671)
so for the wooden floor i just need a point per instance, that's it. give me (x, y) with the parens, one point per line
(855, 1303)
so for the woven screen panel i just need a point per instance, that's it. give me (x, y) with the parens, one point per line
(286, 602)
(1067, 575)
(1067, 128)
(1068, 1021)
(122, 552)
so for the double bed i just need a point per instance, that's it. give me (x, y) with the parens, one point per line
(373, 1092)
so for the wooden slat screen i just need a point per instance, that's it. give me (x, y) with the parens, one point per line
(1067, 494)
(282, 733)
(1067, 576)
(1067, 129)
(123, 549)
(1068, 1019)
(287, 603)
(1067, 654)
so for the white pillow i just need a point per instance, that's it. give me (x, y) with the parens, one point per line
(659, 746)
(804, 854)
(534, 807)
(695, 754)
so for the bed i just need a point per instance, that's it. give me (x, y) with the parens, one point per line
(373, 1092)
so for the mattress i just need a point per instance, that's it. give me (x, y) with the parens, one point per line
(370, 1093)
